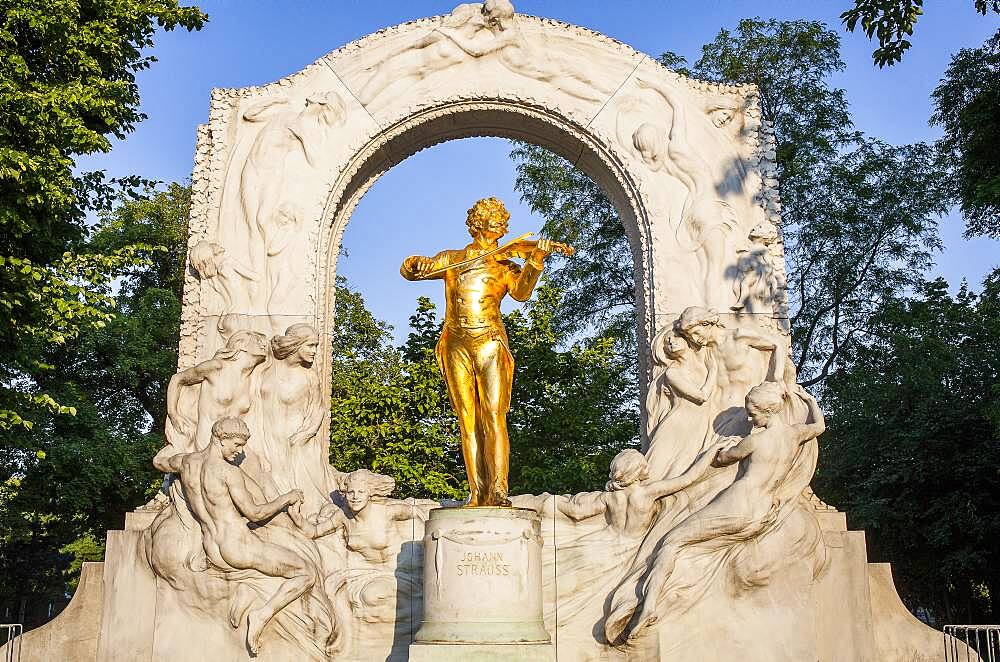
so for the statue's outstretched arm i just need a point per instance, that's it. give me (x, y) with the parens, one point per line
(582, 506)
(252, 510)
(695, 472)
(809, 431)
(417, 267)
(738, 452)
(190, 377)
(767, 342)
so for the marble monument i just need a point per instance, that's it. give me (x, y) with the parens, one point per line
(705, 544)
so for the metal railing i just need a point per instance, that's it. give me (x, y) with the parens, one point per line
(972, 643)
(10, 634)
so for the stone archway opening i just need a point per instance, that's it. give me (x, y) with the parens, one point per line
(434, 126)
(380, 233)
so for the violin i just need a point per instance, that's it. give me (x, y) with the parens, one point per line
(521, 248)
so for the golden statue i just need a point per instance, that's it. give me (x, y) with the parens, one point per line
(472, 353)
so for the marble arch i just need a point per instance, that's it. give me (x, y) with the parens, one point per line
(321, 137)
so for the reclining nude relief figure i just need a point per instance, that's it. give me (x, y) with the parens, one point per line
(222, 500)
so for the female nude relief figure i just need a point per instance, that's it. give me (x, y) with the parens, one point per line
(223, 388)
(292, 409)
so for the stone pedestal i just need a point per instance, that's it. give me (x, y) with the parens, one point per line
(482, 587)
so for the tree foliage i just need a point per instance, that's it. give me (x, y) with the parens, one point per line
(912, 452)
(859, 215)
(390, 411)
(967, 107)
(573, 406)
(67, 85)
(892, 21)
(68, 479)
(571, 409)
(598, 283)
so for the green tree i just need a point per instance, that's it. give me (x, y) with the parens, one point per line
(892, 21)
(967, 107)
(912, 452)
(859, 215)
(70, 478)
(836, 185)
(390, 412)
(598, 283)
(67, 85)
(573, 406)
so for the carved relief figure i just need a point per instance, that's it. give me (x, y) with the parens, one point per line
(221, 498)
(706, 221)
(738, 513)
(272, 217)
(630, 499)
(367, 523)
(472, 353)
(213, 389)
(230, 279)
(757, 283)
(478, 31)
(677, 416)
(590, 565)
(738, 367)
(292, 410)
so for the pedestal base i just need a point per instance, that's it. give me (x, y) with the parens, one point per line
(482, 652)
(483, 581)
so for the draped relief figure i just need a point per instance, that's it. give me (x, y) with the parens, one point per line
(706, 221)
(683, 382)
(263, 206)
(758, 284)
(292, 410)
(382, 569)
(742, 511)
(477, 31)
(701, 410)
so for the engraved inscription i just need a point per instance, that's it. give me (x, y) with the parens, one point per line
(482, 564)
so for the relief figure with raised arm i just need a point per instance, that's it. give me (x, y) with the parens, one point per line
(211, 390)
(739, 513)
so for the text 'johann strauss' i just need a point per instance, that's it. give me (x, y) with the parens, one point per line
(478, 564)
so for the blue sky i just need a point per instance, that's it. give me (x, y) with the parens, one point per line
(420, 204)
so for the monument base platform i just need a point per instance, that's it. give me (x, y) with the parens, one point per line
(420, 652)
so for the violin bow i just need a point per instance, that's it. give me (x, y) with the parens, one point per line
(473, 260)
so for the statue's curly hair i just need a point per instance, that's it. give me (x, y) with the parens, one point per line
(483, 212)
(230, 427)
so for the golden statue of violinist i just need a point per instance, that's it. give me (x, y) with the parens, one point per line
(472, 353)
